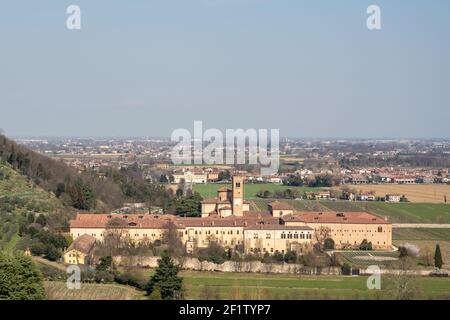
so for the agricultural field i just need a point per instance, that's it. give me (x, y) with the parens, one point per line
(250, 189)
(299, 205)
(363, 258)
(254, 286)
(236, 286)
(57, 290)
(396, 212)
(411, 212)
(426, 193)
(19, 194)
(264, 286)
(438, 234)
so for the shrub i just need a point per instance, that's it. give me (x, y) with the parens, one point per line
(213, 253)
(346, 269)
(365, 245)
(328, 244)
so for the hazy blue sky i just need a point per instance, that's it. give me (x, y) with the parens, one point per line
(310, 68)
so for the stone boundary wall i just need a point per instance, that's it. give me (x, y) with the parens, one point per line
(229, 266)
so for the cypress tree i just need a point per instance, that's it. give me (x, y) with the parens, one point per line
(438, 257)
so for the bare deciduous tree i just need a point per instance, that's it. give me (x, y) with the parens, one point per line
(402, 284)
(321, 235)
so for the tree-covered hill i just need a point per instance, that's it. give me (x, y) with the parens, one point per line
(81, 191)
(20, 197)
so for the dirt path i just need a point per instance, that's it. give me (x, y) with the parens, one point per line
(49, 263)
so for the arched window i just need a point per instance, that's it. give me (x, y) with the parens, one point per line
(380, 229)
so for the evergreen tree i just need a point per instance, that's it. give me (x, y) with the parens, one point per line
(438, 257)
(163, 179)
(104, 264)
(19, 278)
(166, 279)
(81, 194)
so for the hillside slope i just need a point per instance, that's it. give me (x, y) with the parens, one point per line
(81, 191)
(18, 198)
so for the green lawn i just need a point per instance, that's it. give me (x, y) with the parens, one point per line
(12, 242)
(413, 212)
(250, 189)
(262, 286)
(366, 258)
(217, 285)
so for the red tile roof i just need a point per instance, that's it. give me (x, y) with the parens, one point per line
(277, 205)
(335, 217)
(83, 243)
(148, 221)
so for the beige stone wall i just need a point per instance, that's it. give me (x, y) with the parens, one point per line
(208, 207)
(97, 233)
(228, 237)
(280, 213)
(134, 234)
(232, 266)
(353, 234)
(271, 241)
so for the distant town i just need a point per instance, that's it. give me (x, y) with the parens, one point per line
(314, 163)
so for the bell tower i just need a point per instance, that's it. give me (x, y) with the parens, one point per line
(238, 195)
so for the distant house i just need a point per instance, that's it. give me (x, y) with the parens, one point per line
(358, 179)
(365, 197)
(347, 195)
(191, 177)
(80, 251)
(405, 180)
(276, 180)
(392, 198)
(318, 195)
(279, 209)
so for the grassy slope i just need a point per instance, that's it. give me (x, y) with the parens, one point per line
(27, 198)
(273, 286)
(396, 212)
(15, 185)
(251, 286)
(250, 190)
(421, 234)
